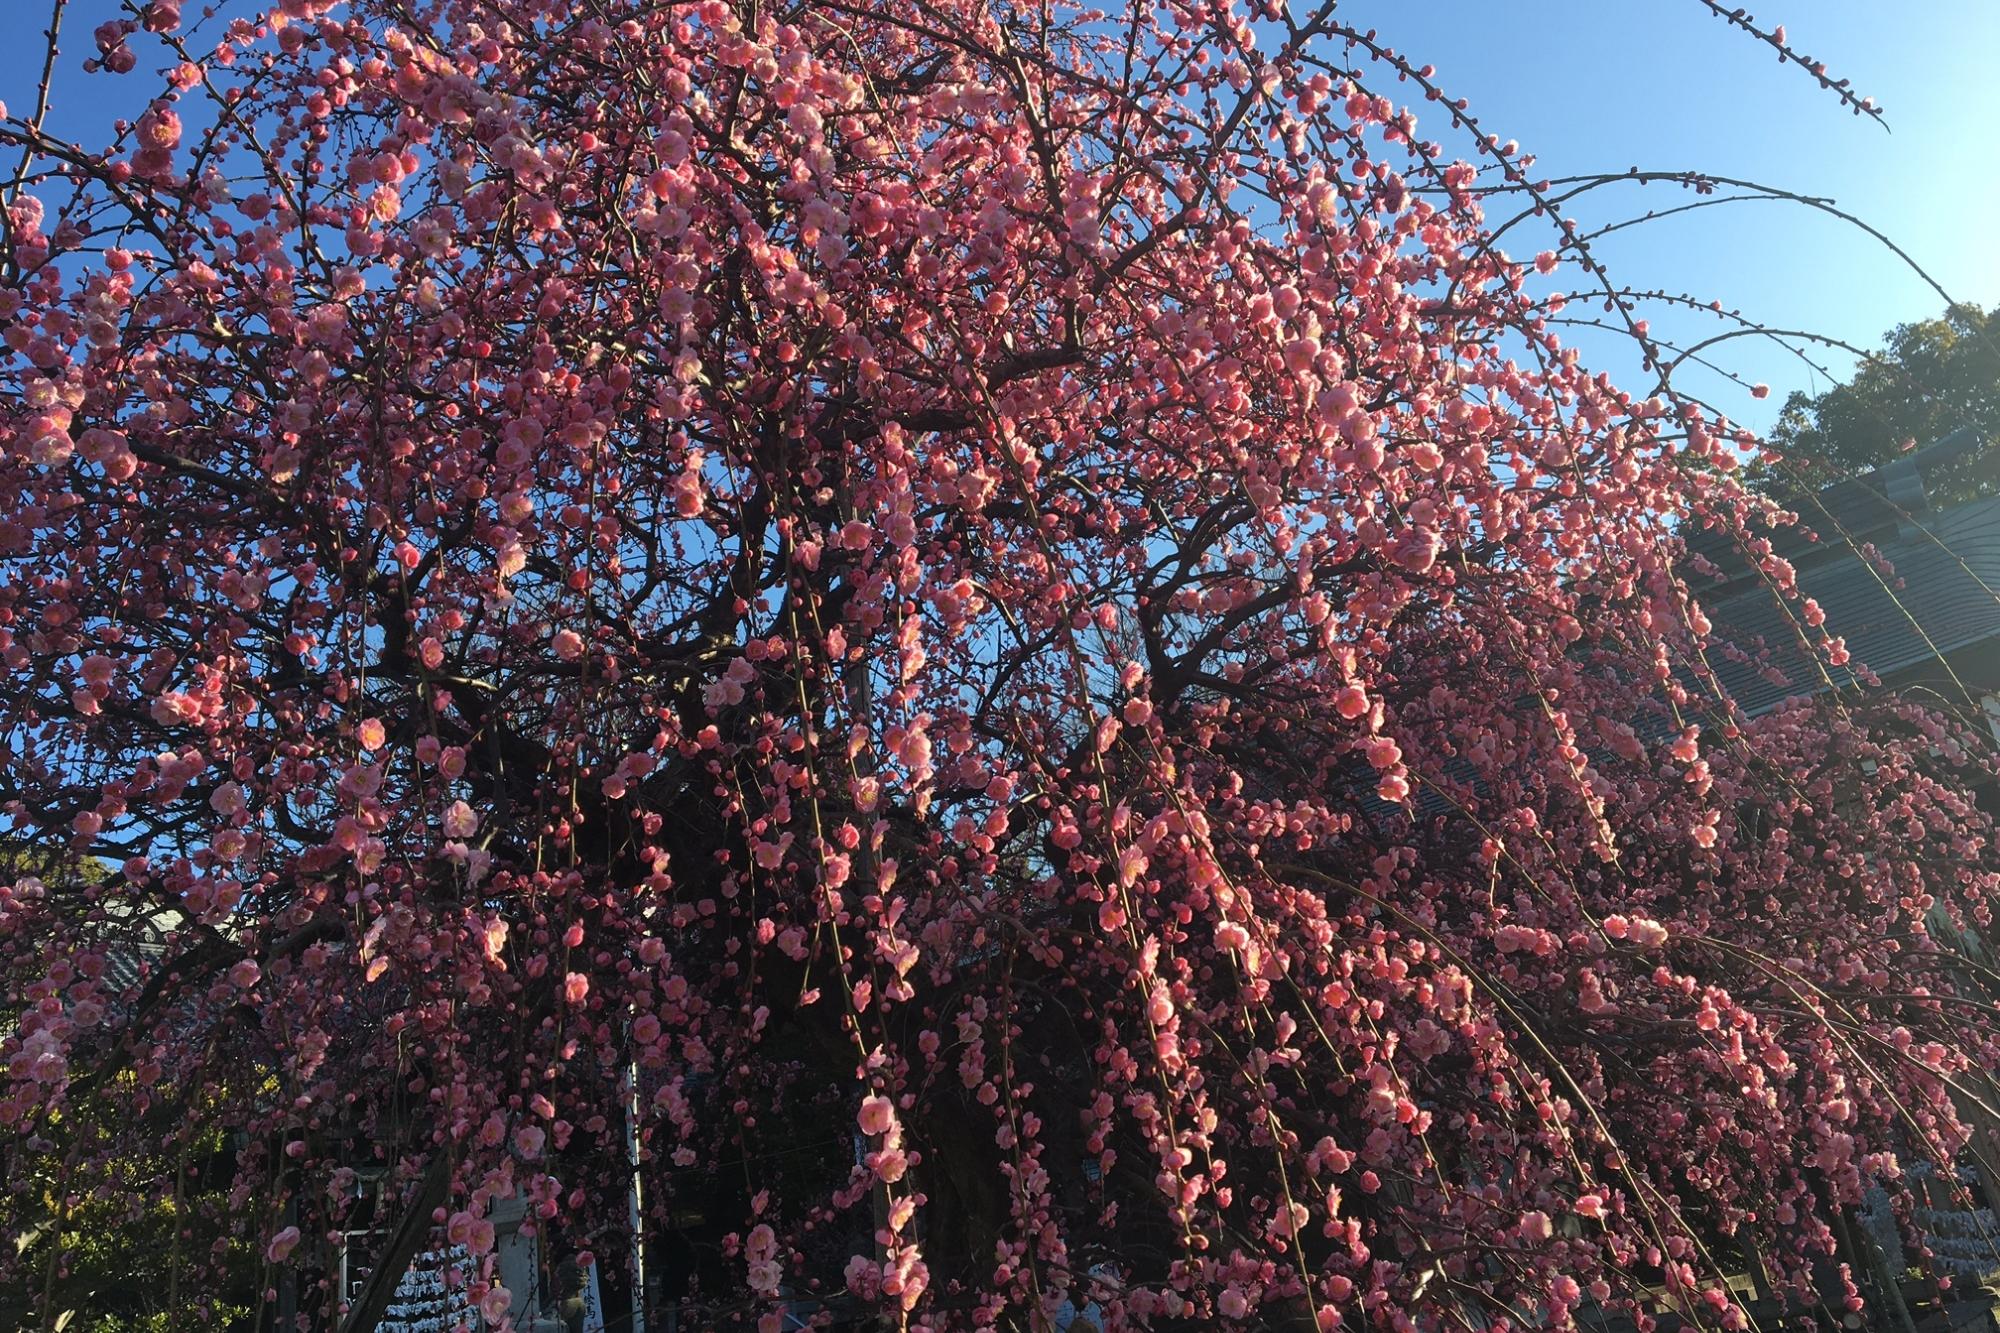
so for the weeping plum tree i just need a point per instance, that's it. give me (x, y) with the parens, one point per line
(1009, 621)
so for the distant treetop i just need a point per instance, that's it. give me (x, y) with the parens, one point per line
(1929, 379)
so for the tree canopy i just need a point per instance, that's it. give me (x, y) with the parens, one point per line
(1007, 625)
(1928, 379)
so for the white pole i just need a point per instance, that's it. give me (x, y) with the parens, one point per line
(635, 1198)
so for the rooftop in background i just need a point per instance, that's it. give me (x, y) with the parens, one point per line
(1862, 508)
(1926, 605)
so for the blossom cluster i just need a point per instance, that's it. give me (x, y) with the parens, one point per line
(1011, 622)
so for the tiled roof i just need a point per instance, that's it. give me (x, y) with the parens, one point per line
(1940, 593)
(130, 962)
(1860, 508)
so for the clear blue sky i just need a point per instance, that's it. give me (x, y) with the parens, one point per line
(1593, 85)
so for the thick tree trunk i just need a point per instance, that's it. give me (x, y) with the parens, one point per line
(411, 1233)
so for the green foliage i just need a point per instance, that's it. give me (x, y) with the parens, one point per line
(116, 1244)
(1929, 378)
(21, 858)
(118, 1241)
